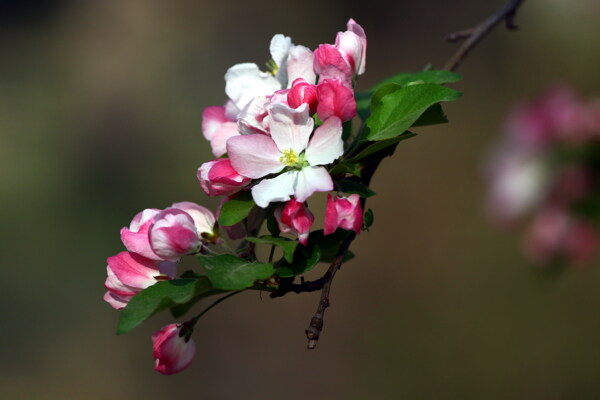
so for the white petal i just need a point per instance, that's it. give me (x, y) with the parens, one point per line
(291, 128)
(279, 188)
(245, 81)
(300, 65)
(326, 144)
(280, 48)
(254, 155)
(251, 119)
(310, 180)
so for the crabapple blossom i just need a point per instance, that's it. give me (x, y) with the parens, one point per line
(173, 234)
(173, 349)
(295, 218)
(218, 178)
(344, 59)
(343, 212)
(335, 99)
(135, 238)
(303, 92)
(288, 149)
(129, 273)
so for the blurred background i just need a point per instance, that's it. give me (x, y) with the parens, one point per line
(100, 115)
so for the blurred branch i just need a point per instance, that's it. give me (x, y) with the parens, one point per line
(474, 35)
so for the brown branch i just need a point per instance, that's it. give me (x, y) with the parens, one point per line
(474, 35)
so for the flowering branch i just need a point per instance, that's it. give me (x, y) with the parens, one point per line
(474, 35)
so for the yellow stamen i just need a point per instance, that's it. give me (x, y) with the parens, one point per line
(289, 158)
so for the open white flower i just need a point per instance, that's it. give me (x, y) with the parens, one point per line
(288, 149)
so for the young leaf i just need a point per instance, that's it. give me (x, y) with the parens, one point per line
(288, 246)
(229, 272)
(368, 219)
(162, 295)
(397, 111)
(305, 259)
(363, 99)
(348, 186)
(236, 209)
(344, 168)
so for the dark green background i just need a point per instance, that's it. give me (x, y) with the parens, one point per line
(100, 114)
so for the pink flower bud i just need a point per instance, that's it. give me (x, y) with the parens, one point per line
(218, 178)
(343, 212)
(172, 351)
(130, 273)
(173, 234)
(303, 92)
(135, 238)
(204, 219)
(335, 99)
(295, 218)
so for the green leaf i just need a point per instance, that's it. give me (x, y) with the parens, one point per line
(398, 110)
(348, 186)
(363, 99)
(160, 296)
(369, 148)
(288, 246)
(305, 259)
(344, 168)
(434, 115)
(236, 209)
(330, 244)
(229, 272)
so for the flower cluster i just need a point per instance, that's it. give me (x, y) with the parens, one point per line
(274, 139)
(545, 173)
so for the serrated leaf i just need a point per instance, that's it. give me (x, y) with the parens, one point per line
(229, 272)
(160, 296)
(398, 111)
(288, 246)
(363, 99)
(236, 209)
(353, 187)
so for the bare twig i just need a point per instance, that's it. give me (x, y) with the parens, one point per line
(474, 35)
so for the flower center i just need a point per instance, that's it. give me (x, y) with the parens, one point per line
(289, 158)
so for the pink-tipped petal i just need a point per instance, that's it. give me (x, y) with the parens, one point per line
(326, 145)
(173, 234)
(279, 188)
(295, 218)
(290, 128)
(254, 156)
(300, 65)
(133, 270)
(116, 301)
(218, 143)
(204, 219)
(335, 98)
(218, 178)
(327, 60)
(212, 119)
(331, 217)
(311, 180)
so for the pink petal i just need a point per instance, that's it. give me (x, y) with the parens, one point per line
(326, 145)
(300, 65)
(331, 217)
(335, 98)
(329, 63)
(311, 180)
(212, 118)
(254, 156)
(116, 301)
(173, 234)
(290, 128)
(218, 143)
(133, 270)
(138, 242)
(204, 219)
